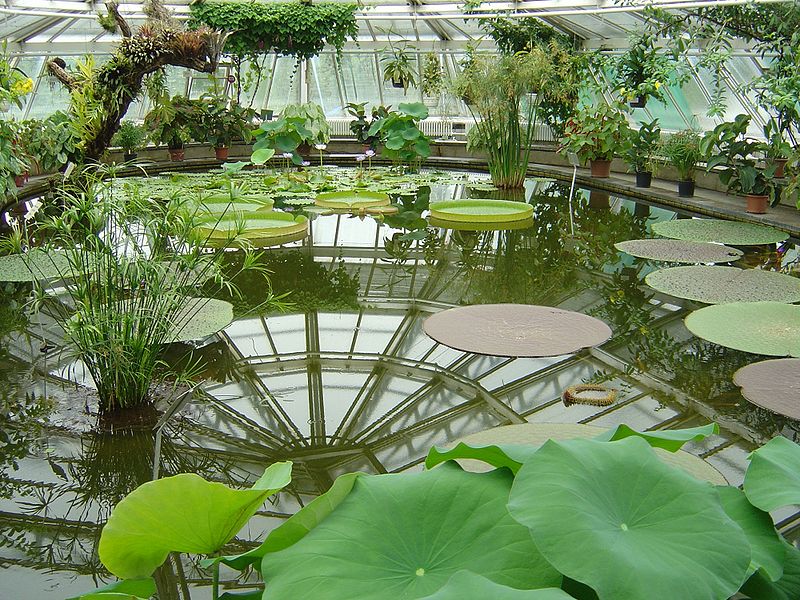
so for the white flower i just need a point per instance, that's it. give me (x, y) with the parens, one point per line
(320, 146)
(361, 157)
(306, 163)
(287, 155)
(370, 152)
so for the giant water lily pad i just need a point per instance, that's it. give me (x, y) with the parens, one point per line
(475, 226)
(680, 251)
(614, 517)
(258, 229)
(404, 536)
(200, 318)
(733, 233)
(184, 513)
(517, 330)
(481, 211)
(35, 265)
(352, 199)
(718, 285)
(465, 585)
(772, 479)
(772, 384)
(223, 204)
(770, 328)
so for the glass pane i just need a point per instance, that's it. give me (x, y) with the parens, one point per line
(323, 87)
(360, 79)
(285, 84)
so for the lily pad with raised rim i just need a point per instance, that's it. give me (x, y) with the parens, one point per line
(222, 204)
(481, 211)
(768, 328)
(259, 229)
(403, 536)
(614, 517)
(473, 226)
(772, 384)
(718, 285)
(352, 199)
(733, 233)
(680, 251)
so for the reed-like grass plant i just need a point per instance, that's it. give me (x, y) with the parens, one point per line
(136, 266)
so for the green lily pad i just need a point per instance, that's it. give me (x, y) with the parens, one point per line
(35, 265)
(612, 516)
(772, 384)
(474, 226)
(464, 585)
(184, 513)
(223, 204)
(732, 233)
(680, 251)
(769, 328)
(406, 532)
(760, 587)
(200, 318)
(128, 589)
(258, 229)
(772, 479)
(352, 199)
(718, 285)
(481, 211)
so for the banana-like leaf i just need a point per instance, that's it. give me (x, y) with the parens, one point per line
(773, 475)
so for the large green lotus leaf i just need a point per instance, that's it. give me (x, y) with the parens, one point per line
(766, 546)
(465, 585)
(184, 513)
(759, 586)
(295, 527)
(668, 439)
(717, 285)
(681, 251)
(733, 233)
(403, 537)
(35, 265)
(127, 588)
(772, 479)
(613, 516)
(418, 110)
(200, 318)
(771, 328)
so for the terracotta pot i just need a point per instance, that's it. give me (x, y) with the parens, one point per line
(601, 168)
(19, 180)
(780, 166)
(221, 153)
(686, 189)
(176, 154)
(644, 179)
(757, 204)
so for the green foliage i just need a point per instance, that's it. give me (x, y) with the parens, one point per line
(298, 29)
(14, 84)
(398, 67)
(643, 144)
(399, 132)
(361, 123)
(220, 124)
(521, 35)
(13, 161)
(432, 77)
(50, 143)
(644, 71)
(682, 151)
(130, 136)
(597, 133)
(728, 146)
(299, 125)
(171, 121)
(772, 479)
(129, 589)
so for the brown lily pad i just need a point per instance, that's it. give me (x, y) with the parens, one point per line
(680, 251)
(773, 385)
(516, 330)
(719, 285)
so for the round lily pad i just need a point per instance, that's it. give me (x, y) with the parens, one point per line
(769, 328)
(614, 517)
(536, 434)
(733, 233)
(772, 384)
(474, 226)
(680, 251)
(35, 265)
(481, 211)
(220, 204)
(717, 285)
(516, 330)
(200, 318)
(260, 229)
(352, 199)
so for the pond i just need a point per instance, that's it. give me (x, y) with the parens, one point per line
(345, 379)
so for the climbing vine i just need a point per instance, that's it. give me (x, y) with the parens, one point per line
(293, 29)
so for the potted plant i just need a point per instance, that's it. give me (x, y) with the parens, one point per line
(13, 162)
(777, 149)
(642, 71)
(597, 134)
(640, 151)
(220, 124)
(361, 123)
(171, 122)
(50, 143)
(682, 151)
(130, 137)
(432, 80)
(311, 116)
(398, 68)
(729, 148)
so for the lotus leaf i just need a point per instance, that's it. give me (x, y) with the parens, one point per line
(718, 285)
(35, 265)
(262, 155)
(611, 515)
(766, 545)
(402, 536)
(352, 199)
(481, 211)
(184, 513)
(773, 476)
(464, 585)
(787, 587)
(681, 251)
(129, 589)
(772, 384)
(770, 328)
(733, 233)
(671, 440)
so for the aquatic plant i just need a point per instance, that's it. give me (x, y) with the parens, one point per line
(605, 515)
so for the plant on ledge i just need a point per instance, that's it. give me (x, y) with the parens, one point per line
(597, 134)
(298, 29)
(640, 151)
(399, 132)
(130, 137)
(299, 127)
(361, 124)
(682, 151)
(220, 125)
(50, 143)
(171, 123)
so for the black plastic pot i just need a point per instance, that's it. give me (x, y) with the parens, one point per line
(398, 83)
(686, 189)
(644, 179)
(129, 156)
(640, 102)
